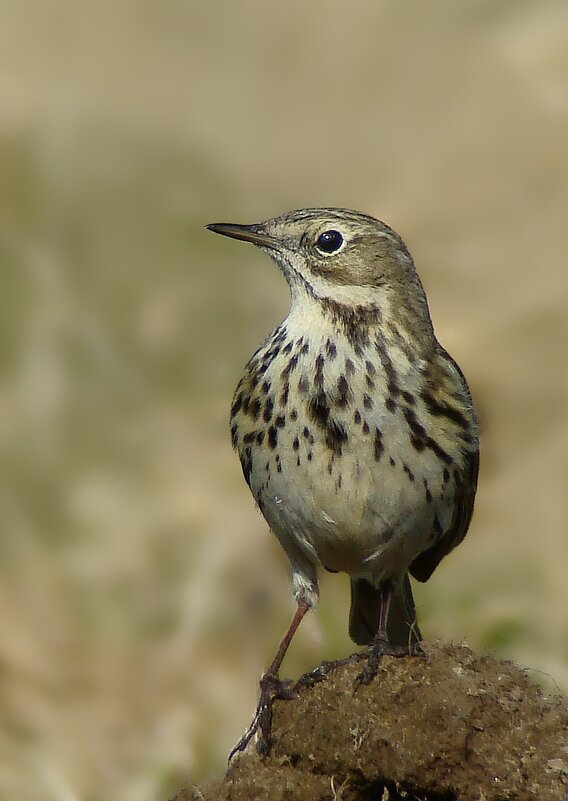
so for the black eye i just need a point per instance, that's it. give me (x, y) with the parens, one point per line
(329, 241)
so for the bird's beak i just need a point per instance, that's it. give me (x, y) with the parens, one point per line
(248, 233)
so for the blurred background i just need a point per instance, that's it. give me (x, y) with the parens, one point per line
(140, 592)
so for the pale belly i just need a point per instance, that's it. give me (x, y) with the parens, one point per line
(351, 512)
(349, 467)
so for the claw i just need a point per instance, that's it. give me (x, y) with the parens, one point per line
(271, 689)
(380, 648)
(322, 672)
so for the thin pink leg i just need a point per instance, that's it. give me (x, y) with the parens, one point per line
(271, 688)
(303, 607)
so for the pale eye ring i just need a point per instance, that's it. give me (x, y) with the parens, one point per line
(329, 242)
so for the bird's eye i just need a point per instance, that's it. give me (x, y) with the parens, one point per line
(329, 241)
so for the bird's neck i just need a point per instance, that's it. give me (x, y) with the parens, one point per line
(359, 313)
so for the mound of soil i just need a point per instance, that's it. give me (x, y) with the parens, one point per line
(448, 727)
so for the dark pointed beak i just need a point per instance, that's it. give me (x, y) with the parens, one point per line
(248, 233)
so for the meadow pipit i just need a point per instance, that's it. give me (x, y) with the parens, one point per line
(355, 429)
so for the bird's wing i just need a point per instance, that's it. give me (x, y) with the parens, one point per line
(425, 564)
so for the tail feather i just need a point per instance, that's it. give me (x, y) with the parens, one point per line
(402, 625)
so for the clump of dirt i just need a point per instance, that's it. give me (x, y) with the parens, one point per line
(453, 726)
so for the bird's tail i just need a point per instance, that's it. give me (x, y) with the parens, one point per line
(402, 625)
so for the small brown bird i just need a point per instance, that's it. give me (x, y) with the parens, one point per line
(355, 428)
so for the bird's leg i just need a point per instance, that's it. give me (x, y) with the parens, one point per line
(380, 645)
(271, 689)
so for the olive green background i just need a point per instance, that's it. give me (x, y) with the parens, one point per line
(140, 592)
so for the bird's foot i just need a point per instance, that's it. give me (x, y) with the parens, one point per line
(271, 689)
(379, 648)
(323, 671)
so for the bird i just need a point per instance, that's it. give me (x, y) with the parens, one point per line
(356, 430)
